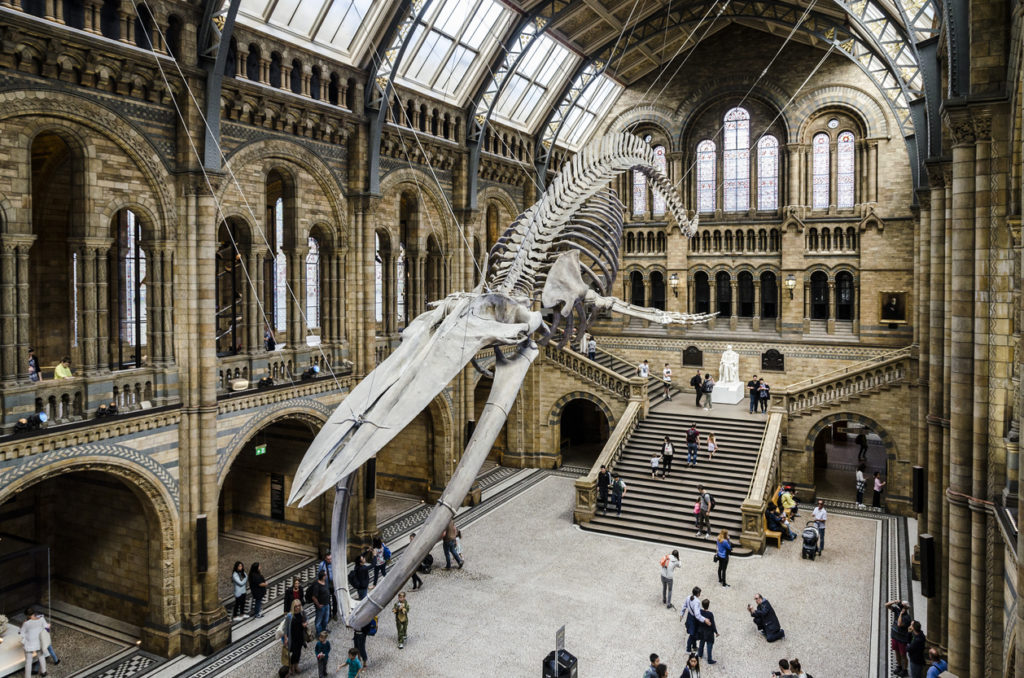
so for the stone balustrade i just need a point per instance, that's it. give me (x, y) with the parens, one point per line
(762, 483)
(599, 375)
(586, 487)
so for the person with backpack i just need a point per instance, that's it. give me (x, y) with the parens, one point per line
(449, 545)
(669, 563)
(618, 492)
(667, 451)
(899, 633)
(401, 610)
(326, 567)
(381, 556)
(698, 386)
(359, 577)
(708, 386)
(692, 444)
(764, 393)
(604, 480)
(706, 503)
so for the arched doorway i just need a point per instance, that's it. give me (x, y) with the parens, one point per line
(745, 285)
(723, 294)
(657, 290)
(480, 393)
(59, 554)
(636, 288)
(837, 449)
(701, 292)
(583, 432)
(819, 296)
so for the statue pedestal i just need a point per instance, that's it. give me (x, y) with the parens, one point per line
(729, 394)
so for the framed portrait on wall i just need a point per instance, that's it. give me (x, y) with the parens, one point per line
(892, 307)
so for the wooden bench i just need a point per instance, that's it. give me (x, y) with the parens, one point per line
(771, 534)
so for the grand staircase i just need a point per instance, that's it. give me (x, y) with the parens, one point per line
(655, 389)
(662, 509)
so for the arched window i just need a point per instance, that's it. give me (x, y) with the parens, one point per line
(313, 284)
(657, 290)
(280, 270)
(750, 241)
(706, 176)
(660, 241)
(717, 239)
(705, 242)
(844, 170)
(769, 295)
(657, 200)
(745, 290)
(819, 296)
(728, 241)
(820, 172)
(636, 288)
(228, 291)
(812, 240)
(400, 284)
(768, 173)
(650, 242)
(639, 193)
(131, 291)
(694, 244)
(723, 294)
(736, 186)
(378, 280)
(844, 296)
(774, 240)
(701, 293)
(630, 243)
(839, 238)
(762, 241)
(851, 238)
(826, 239)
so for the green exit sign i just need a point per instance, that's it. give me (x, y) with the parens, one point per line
(261, 449)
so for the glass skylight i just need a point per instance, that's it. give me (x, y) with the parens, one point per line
(343, 26)
(530, 89)
(587, 111)
(447, 52)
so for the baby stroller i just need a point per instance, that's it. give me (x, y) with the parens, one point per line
(810, 536)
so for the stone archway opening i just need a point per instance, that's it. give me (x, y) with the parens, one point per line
(839, 449)
(85, 546)
(500, 447)
(584, 431)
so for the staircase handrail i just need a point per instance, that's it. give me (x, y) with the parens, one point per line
(860, 366)
(762, 483)
(590, 371)
(586, 486)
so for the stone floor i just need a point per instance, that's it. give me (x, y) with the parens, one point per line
(391, 504)
(529, 570)
(76, 650)
(231, 549)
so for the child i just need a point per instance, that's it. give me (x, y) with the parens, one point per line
(401, 610)
(353, 663)
(712, 446)
(655, 463)
(323, 652)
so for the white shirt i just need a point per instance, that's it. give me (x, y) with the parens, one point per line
(654, 461)
(644, 370)
(860, 476)
(820, 516)
(692, 605)
(667, 449)
(30, 632)
(667, 372)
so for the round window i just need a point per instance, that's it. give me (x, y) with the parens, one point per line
(833, 123)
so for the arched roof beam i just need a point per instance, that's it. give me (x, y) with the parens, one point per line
(515, 46)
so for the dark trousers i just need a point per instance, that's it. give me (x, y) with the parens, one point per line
(723, 563)
(753, 402)
(449, 553)
(666, 464)
(592, 355)
(416, 581)
(617, 500)
(239, 606)
(359, 640)
(381, 570)
(877, 500)
(691, 633)
(700, 392)
(860, 495)
(764, 404)
(602, 497)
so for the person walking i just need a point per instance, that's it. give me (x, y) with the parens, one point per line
(295, 635)
(258, 588)
(643, 370)
(820, 518)
(322, 602)
(592, 348)
(380, 559)
(31, 633)
(861, 483)
(652, 670)
(708, 387)
(669, 564)
(291, 595)
(706, 503)
(752, 387)
(712, 446)
(359, 577)
(327, 567)
(655, 464)
(449, 545)
(692, 614)
(692, 668)
(692, 444)
(417, 583)
(880, 484)
(666, 377)
(323, 654)
(401, 610)
(698, 386)
(604, 480)
(355, 666)
(706, 633)
(359, 640)
(916, 649)
(667, 451)
(238, 581)
(862, 444)
(618, 492)
(764, 392)
(722, 556)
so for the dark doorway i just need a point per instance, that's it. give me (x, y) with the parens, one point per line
(819, 296)
(636, 288)
(584, 431)
(658, 290)
(745, 285)
(701, 293)
(844, 296)
(769, 295)
(723, 294)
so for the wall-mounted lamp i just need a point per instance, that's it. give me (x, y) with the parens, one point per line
(790, 284)
(673, 282)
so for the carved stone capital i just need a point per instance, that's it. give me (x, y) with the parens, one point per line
(982, 125)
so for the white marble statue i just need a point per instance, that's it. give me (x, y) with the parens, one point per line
(729, 367)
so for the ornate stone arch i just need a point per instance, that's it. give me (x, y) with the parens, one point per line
(142, 207)
(308, 410)
(699, 100)
(555, 415)
(49, 107)
(825, 422)
(422, 185)
(651, 114)
(814, 268)
(500, 196)
(854, 101)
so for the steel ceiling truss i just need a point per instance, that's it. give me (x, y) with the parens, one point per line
(891, 64)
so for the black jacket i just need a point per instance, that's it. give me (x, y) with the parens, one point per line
(916, 647)
(361, 576)
(697, 382)
(766, 620)
(705, 632)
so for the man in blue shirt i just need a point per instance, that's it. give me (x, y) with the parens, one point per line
(938, 663)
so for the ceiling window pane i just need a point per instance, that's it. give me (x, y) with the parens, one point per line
(342, 22)
(534, 84)
(588, 109)
(820, 171)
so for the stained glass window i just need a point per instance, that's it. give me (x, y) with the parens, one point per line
(844, 170)
(820, 172)
(280, 270)
(706, 176)
(657, 201)
(736, 158)
(313, 284)
(768, 173)
(639, 193)
(378, 280)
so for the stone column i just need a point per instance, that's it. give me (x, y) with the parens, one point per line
(241, 60)
(871, 195)
(87, 337)
(24, 246)
(103, 315)
(54, 11)
(92, 13)
(297, 298)
(757, 304)
(961, 385)
(166, 356)
(8, 311)
(712, 299)
(833, 304)
(253, 333)
(807, 304)
(127, 15)
(947, 361)
(734, 302)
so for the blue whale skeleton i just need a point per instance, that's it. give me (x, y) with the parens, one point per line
(563, 252)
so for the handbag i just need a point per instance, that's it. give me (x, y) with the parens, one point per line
(308, 633)
(716, 558)
(696, 508)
